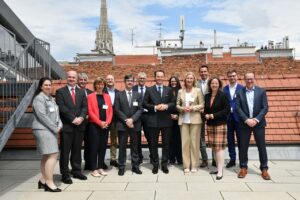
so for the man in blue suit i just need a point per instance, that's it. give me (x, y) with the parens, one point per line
(233, 119)
(252, 107)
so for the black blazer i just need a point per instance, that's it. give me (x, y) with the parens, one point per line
(260, 107)
(220, 108)
(159, 119)
(68, 111)
(123, 111)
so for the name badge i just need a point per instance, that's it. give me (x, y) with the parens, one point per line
(135, 103)
(51, 109)
(105, 106)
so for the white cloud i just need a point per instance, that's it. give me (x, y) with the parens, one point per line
(67, 25)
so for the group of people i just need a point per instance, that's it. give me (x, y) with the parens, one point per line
(178, 114)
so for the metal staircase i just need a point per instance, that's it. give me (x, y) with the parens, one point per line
(21, 65)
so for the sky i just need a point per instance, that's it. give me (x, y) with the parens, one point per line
(70, 25)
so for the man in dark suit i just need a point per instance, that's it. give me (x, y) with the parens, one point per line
(82, 82)
(233, 118)
(112, 91)
(252, 107)
(159, 101)
(128, 110)
(141, 88)
(73, 109)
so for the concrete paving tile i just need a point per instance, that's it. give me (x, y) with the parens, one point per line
(288, 179)
(190, 195)
(269, 187)
(250, 178)
(239, 187)
(46, 196)
(25, 187)
(129, 177)
(295, 195)
(15, 179)
(157, 186)
(96, 186)
(132, 195)
(288, 165)
(5, 185)
(256, 196)
(294, 172)
(185, 178)
(18, 172)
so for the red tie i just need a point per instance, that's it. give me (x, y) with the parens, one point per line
(73, 95)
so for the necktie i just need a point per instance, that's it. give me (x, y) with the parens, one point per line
(159, 90)
(73, 95)
(129, 98)
(142, 92)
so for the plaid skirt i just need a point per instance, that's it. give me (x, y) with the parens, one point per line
(217, 136)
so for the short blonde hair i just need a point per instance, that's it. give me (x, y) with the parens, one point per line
(185, 77)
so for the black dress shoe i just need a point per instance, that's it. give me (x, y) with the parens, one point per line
(203, 164)
(214, 164)
(121, 172)
(114, 163)
(104, 166)
(230, 164)
(66, 179)
(155, 170)
(80, 176)
(41, 185)
(48, 189)
(165, 170)
(136, 170)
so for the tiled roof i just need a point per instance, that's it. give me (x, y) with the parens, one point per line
(136, 59)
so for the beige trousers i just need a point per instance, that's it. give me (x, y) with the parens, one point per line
(190, 140)
(113, 141)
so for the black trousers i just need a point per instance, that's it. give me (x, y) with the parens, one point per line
(259, 136)
(232, 130)
(202, 140)
(148, 138)
(86, 148)
(97, 141)
(70, 150)
(175, 153)
(165, 133)
(123, 139)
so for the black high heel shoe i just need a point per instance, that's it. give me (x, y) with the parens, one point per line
(219, 177)
(41, 185)
(48, 189)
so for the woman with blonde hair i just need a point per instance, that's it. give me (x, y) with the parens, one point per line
(189, 103)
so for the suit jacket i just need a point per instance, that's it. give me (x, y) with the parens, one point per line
(116, 92)
(68, 111)
(260, 106)
(232, 102)
(123, 111)
(219, 108)
(199, 86)
(197, 104)
(159, 119)
(93, 109)
(46, 114)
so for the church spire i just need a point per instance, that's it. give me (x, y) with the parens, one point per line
(104, 41)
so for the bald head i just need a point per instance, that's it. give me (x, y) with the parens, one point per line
(72, 78)
(110, 81)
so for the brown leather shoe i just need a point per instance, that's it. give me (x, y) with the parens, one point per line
(204, 164)
(242, 173)
(265, 175)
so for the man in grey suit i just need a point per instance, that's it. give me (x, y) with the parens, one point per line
(128, 109)
(72, 104)
(252, 107)
(160, 102)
